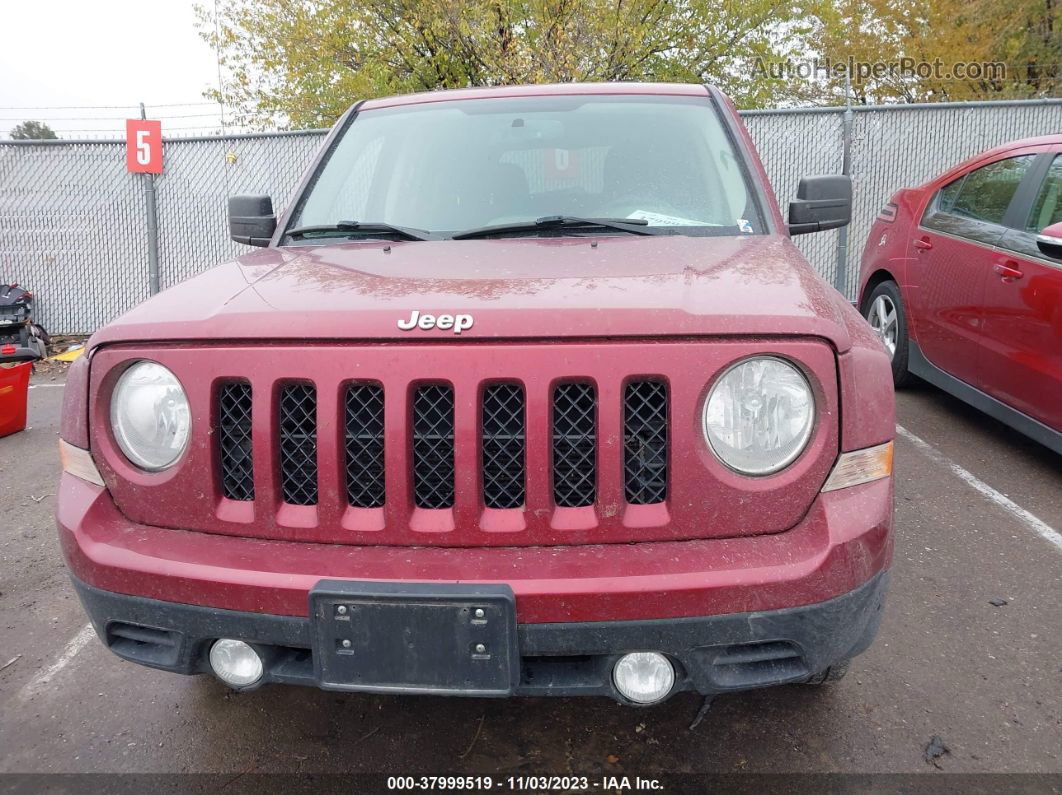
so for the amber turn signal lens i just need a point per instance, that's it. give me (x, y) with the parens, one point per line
(78, 462)
(860, 466)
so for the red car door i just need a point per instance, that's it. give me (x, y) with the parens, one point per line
(952, 254)
(1022, 358)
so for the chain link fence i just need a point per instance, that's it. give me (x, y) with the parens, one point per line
(73, 226)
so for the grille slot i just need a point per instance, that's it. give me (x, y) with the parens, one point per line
(364, 444)
(574, 445)
(645, 442)
(298, 444)
(504, 446)
(234, 441)
(433, 446)
(754, 664)
(143, 644)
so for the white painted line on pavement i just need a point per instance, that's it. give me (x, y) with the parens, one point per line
(1034, 523)
(43, 677)
(34, 386)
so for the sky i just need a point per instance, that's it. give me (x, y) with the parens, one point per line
(63, 53)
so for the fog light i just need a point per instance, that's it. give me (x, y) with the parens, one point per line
(644, 677)
(235, 663)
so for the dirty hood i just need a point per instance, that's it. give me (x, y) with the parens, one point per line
(523, 288)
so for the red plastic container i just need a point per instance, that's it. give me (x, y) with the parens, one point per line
(14, 390)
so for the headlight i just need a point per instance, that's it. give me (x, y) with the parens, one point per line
(149, 416)
(759, 415)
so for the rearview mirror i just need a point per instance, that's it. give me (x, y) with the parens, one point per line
(251, 220)
(822, 203)
(1049, 241)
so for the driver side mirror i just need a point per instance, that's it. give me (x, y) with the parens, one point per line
(251, 220)
(1049, 241)
(823, 202)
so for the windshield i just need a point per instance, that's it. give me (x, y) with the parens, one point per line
(453, 166)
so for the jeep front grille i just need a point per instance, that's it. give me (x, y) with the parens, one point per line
(485, 443)
(392, 451)
(298, 444)
(234, 441)
(364, 445)
(433, 446)
(645, 442)
(574, 445)
(504, 440)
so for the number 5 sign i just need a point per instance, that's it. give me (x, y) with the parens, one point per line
(143, 146)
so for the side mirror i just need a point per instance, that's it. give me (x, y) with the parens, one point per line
(251, 220)
(822, 203)
(1049, 241)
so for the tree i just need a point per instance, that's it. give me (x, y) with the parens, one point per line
(1020, 41)
(304, 62)
(33, 131)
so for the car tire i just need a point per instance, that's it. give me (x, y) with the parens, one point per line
(885, 312)
(835, 673)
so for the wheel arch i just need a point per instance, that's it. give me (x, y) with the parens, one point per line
(876, 278)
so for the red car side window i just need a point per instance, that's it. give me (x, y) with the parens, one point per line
(986, 192)
(947, 195)
(1047, 209)
(981, 196)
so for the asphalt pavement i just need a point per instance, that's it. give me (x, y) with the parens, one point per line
(976, 506)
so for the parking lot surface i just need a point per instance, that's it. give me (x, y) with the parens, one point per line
(977, 514)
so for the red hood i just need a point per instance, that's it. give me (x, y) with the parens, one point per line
(514, 288)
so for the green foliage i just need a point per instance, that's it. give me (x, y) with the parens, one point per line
(308, 60)
(33, 131)
(302, 63)
(1022, 38)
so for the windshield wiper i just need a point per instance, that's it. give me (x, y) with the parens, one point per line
(352, 228)
(636, 226)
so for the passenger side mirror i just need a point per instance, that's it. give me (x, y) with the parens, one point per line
(1049, 241)
(822, 203)
(251, 220)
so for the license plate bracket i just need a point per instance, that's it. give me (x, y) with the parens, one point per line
(447, 639)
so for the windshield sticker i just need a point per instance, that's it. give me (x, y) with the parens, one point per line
(562, 164)
(744, 226)
(661, 219)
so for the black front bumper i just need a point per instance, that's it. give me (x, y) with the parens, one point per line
(711, 655)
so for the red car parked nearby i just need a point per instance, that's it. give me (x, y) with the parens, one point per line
(527, 392)
(962, 280)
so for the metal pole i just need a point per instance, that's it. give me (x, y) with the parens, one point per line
(840, 279)
(152, 225)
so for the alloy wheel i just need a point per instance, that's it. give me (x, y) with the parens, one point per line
(884, 320)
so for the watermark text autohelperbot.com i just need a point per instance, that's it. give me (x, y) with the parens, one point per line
(861, 71)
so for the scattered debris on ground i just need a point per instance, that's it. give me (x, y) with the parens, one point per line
(10, 662)
(705, 705)
(936, 749)
(997, 602)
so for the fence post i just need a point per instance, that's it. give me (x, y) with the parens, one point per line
(152, 225)
(840, 277)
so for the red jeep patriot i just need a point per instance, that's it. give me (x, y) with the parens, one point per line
(528, 392)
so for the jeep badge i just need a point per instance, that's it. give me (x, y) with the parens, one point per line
(456, 322)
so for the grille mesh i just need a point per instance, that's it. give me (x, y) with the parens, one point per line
(234, 441)
(574, 445)
(504, 443)
(645, 442)
(365, 445)
(298, 444)
(433, 447)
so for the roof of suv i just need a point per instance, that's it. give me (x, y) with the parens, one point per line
(552, 89)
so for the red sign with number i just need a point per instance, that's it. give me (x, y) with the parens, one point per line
(143, 146)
